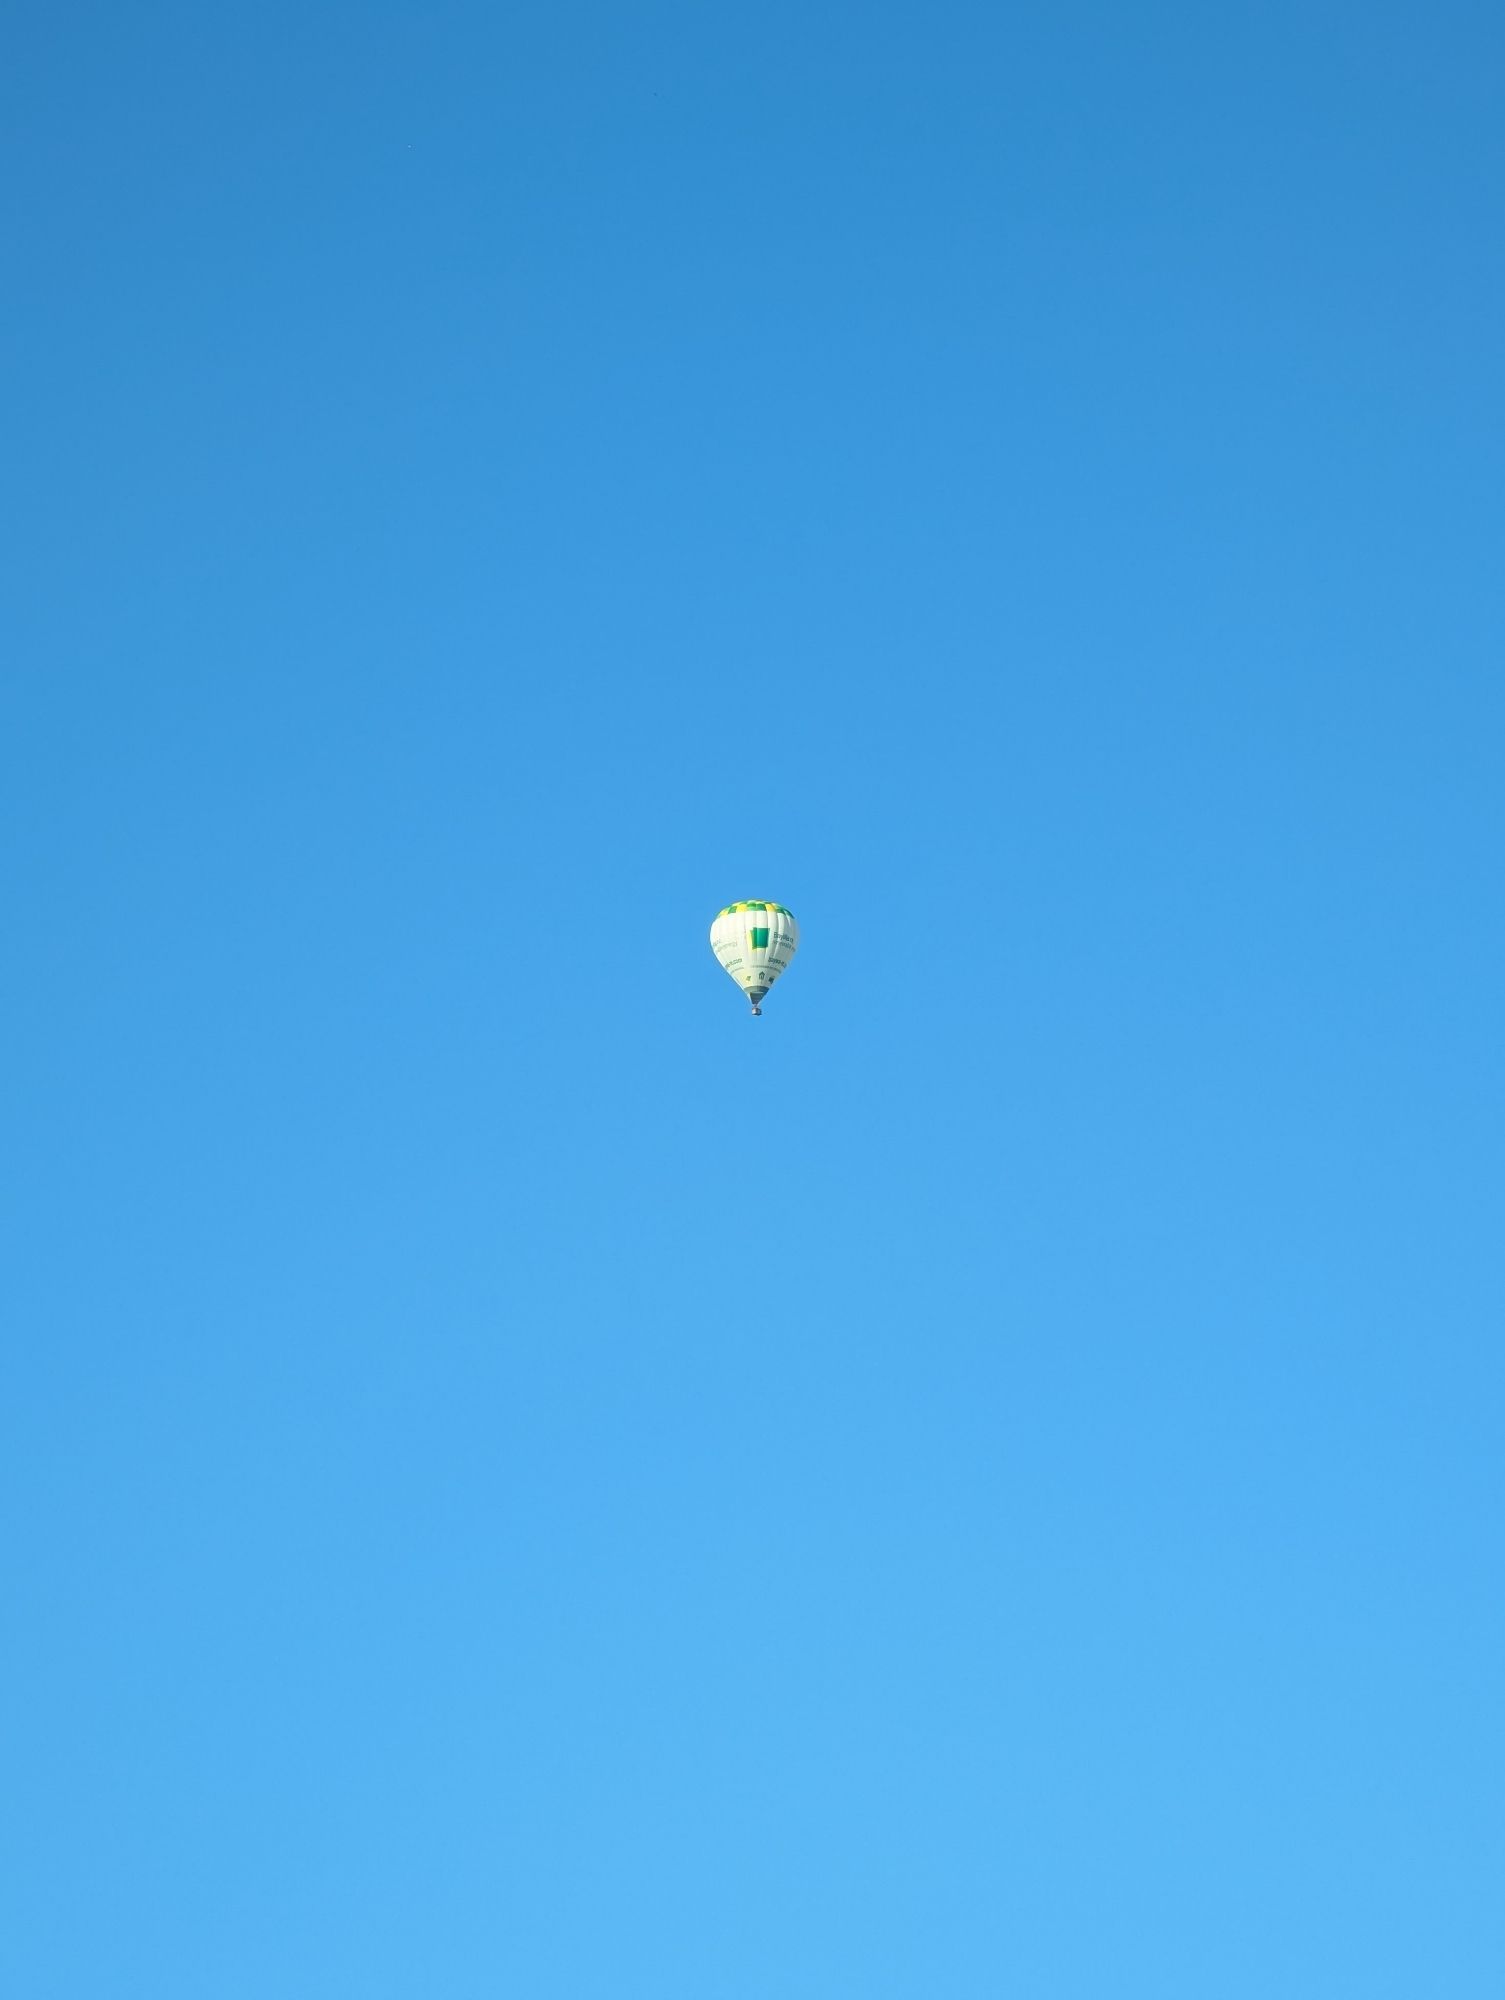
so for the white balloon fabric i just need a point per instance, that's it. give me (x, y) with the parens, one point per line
(755, 942)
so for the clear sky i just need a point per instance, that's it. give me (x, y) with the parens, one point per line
(519, 1480)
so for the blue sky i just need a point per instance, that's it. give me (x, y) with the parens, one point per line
(520, 1480)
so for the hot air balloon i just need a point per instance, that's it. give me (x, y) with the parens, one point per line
(755, 942)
